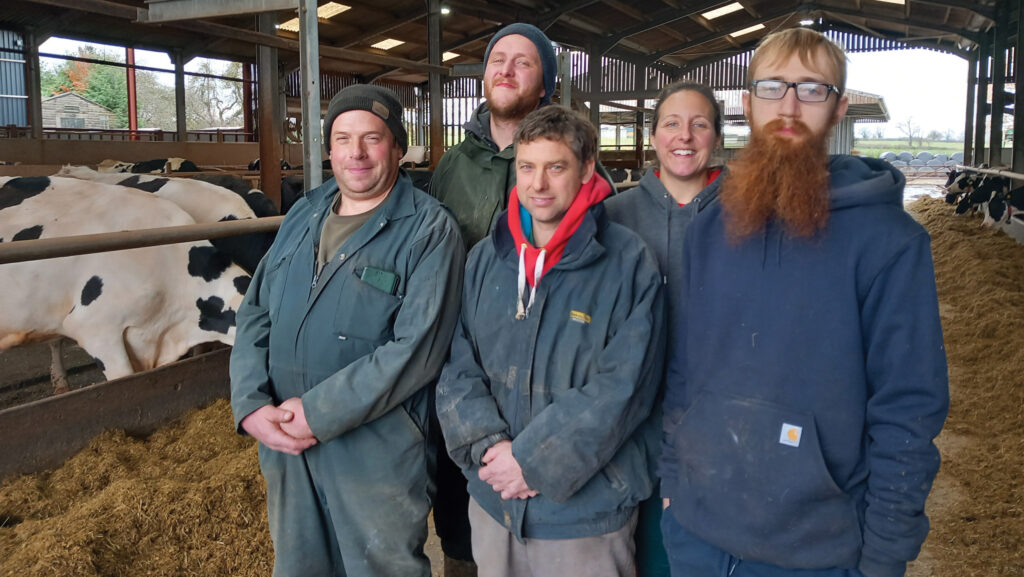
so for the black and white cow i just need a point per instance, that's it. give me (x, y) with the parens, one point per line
(155, 166)
(131, 310)
(254, 197)
(203, 201)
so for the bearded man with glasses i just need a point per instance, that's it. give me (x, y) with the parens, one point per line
(808, 381)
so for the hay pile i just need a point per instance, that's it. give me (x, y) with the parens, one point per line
(977, 506)
(188, 500)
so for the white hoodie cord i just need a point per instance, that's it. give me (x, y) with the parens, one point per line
(521, 284)
(538, 269)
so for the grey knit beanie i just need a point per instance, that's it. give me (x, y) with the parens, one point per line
(548, 62)
(376, 99)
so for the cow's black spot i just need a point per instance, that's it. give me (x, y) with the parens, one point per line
(260, 204)
(213, 316)
(146, 166)
(151, 186)
(242, 284)
(207, 262)
(232, 183)
(99, 364)
(185, 166)
(229, 217)
(91, 291)
(17, 190)
(30, 233)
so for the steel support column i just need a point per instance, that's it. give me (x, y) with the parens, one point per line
(972, 90)
(1017, 161)
(133, 100)
(270, 125)
(640, 85)
(32, 85)
(594, 67)
(179, 95)
(565, 78)
(247, 101)
(982, 102)
(995, 135)
(434, 87)
(309, 70)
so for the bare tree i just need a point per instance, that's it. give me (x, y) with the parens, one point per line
(213, 102)
(909, 129)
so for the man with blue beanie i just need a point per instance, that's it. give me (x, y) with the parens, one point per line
(474, 176)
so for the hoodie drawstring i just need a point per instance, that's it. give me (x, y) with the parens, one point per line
(524, 309)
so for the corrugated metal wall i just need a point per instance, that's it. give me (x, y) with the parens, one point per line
(13, 97)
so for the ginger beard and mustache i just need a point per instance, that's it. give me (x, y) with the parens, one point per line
(517, 109)
(774, 177)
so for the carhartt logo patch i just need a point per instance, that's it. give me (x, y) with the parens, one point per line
(790, 435)
(380, 110)
(578, 317)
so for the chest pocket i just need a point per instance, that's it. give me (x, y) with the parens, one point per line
(275, 280)
(366, 313)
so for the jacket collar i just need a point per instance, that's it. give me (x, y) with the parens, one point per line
(583, 248)
(399, 203)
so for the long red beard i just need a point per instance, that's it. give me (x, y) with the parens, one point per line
(778, 178)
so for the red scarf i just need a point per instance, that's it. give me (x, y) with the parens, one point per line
(592, 192)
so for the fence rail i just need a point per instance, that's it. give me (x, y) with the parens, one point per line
(25, 250)
(116, 134)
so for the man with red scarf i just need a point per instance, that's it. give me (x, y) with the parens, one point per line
(545, 402)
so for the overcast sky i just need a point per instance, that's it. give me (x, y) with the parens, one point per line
(929, 86)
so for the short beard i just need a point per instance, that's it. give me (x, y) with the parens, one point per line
(775, 178)
(515, 111)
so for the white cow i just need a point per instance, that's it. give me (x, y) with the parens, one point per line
(131, 310)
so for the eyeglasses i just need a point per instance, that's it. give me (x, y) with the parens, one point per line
(805, 91)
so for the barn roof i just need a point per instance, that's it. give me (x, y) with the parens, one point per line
(675, 35)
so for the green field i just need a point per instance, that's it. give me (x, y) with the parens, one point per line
(875, 147)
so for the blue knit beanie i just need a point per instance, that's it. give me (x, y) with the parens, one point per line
(548, 62)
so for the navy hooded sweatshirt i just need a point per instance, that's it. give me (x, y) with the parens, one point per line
(808, 383)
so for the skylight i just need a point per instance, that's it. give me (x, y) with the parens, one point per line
(448, 56)
(753, 28)
(388, 44)
(325, 12)
(712, 14)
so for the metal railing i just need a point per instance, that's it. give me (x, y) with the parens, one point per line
(118, 134)
(25, 250)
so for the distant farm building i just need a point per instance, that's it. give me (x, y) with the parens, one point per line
(70, 110)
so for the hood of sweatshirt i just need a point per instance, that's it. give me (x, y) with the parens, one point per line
(857, 181)
(479, 125)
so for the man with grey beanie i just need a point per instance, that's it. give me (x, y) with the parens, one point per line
(340, 338)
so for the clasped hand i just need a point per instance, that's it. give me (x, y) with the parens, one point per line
(502, 472)
(282, 428)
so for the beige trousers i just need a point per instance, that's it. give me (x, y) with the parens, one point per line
(499, 554)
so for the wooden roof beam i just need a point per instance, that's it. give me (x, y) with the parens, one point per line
(659, 19)
(969, 5)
